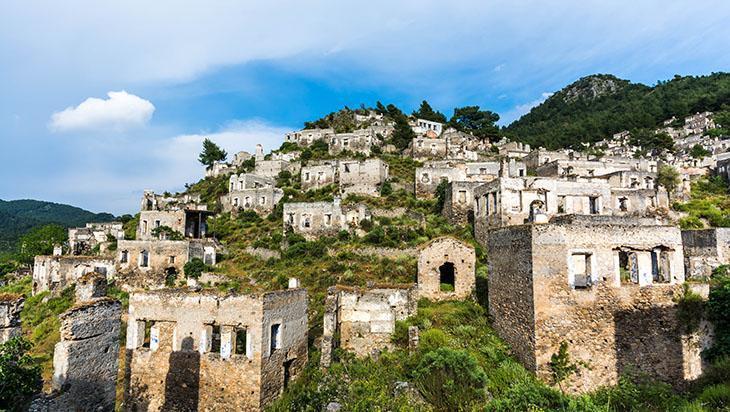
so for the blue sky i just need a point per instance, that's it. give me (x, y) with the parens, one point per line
(163, 75)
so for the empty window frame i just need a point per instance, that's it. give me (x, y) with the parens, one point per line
(241, 342)
(144, 259)
(275, 337)
(124, 258)
(581, 270)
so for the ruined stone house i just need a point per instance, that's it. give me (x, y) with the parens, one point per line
(359, 141)
(362, 177)
(421, 126)
(306, 137)
(86, 360)
(562, 168)
(57, 272)
(705, 250)
(606, 285)
(272, 168)
(149, 263)
(722, 167)
(82, 240)
(446, 269)
(317, 219)
(459, 202)
(319, 175)
(432, 173)
(11, 305)
(513, 201)
(251, 192)
(183, 214)
(362, 320)
(514, 150)
(424, 148)
(206, 351)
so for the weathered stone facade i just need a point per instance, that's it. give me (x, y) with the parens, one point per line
(705, 250)
(315, 219)
(446, 269)
(359, 141)
(317, 176)
(362, 177)
(423, 148)
(261, 200)
(431, 174)
(147, 263)
(306, 137)
(459, 202)
(56, 273)
(86, 360)
(605, 285)
(184, 214)
(203, 351)
(272, 168)
(82, 240)
(10, 307)
(593, 168)
(364, 319)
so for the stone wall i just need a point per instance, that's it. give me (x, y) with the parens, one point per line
(704, 250)
(446, 260)
(315, 177)
(459, 202)
(261, 200)
(85, 361)
(213, 352)
(424, 148)
(56, 273)
(316, 219)
(362, 176)
(10, 307)
(364, 318)
(567, 276)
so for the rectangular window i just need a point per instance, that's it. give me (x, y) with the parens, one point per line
(275, 337)
(240, 341)
(581, 270)
(172, 260)
(144, 259)
(593, 205)
(147, 333)
(144, 227)
(462, 196)
(157, 224)
(125, 257)
(215, 339)
(306, 176)
(327, 219)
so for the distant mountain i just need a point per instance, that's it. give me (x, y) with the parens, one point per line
(19, 216)
(597, 106)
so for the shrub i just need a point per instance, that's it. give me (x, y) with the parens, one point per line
(690, 309)
(450, 379)
(167, 233)
(716, 397)
(691, 222)
(20, 376)
(194, 268)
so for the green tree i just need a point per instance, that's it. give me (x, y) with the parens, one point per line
(426, 112)
(167, 233)
(402, 135)
(480, 123)
(20, 375)
(698, 152)
(668, 177)
(441, 195)
(211, 153)
(40, 241)
(561, 366)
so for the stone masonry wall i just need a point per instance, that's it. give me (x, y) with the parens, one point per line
(437, 253)
(55, 273)
(511, 290)
(364, 318)
(10, 307)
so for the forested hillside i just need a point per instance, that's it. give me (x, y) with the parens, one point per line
(597, 106)
(19, 216)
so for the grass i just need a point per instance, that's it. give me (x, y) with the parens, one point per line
(709, 205)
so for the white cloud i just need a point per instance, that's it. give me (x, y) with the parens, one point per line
(121, 111)
(99, 175)
(522, 109)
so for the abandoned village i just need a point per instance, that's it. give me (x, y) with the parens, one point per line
(581, 250)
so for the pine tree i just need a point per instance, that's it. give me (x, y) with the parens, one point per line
(211, 153)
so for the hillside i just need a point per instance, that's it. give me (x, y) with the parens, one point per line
(19, 216)
(597, 106)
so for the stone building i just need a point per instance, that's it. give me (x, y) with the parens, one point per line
(148, 263)
(421, 126)
(272, 168)
(82, 240)
(424, 148)
(446, 269)
(538, 157)
(362, 176)
(86, 360)
(359, 141)
(514, 150)
(56, 273)
(11, 305)
(316, 219)
(306, 137)
(251, 192)
(183, 214)
(606, 285)
(514, 201)
(363, 320)
(206, 351)
(722, 167)
(459, 202)
(705, 250)
(318, 176)
(219, 169)
(561, 168)
(432, 173)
